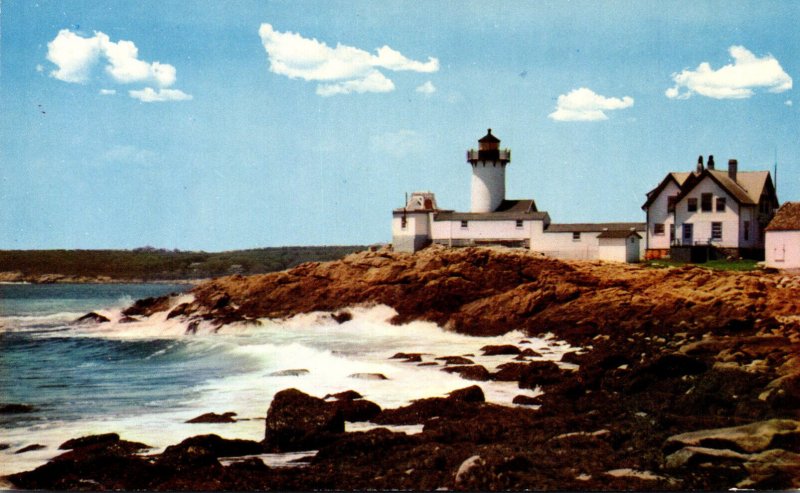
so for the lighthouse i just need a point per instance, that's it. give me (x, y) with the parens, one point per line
(488, 173)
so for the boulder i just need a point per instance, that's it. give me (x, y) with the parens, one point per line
(30, 448)
(473, 372)
(105, 438)
(204, 450)
(509, 372)
(537, 373)
(214, 418)
(526, 400)
(455, 360)
(289, 373)
(92, 317)
(495, 350)
(357, 409)
(468, 394)
(14, 408)
(750, 438)
(342, 316)
(368, 376)
(347, 395)
(298, 421)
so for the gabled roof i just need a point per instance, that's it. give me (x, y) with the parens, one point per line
(594, 227)
(618, 234)
(745, 190)
(677, 177)
(787, 218)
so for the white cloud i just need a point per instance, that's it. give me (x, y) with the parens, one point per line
(427, 88)
(345, 69)
(585, 105)
(150, 95)
(398, 144)
(75, 56)
(108, 92)
(736, 80)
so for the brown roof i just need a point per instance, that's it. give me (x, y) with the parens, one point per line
(594, 227)
(618, 234)
(746, 189)
(491, 216)
(516, 206)
(787, 218)
(489, 137)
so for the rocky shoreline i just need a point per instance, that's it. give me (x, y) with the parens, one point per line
(688, 379)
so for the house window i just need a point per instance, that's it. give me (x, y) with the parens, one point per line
(705, 202)
(403, 222)
(671, 201)
(672, 233)
(691, 205)
(576, 236)
(658, 229)
(716, 231)
(464, 224)
(519, 223)
(720, 204)
(688, 234)
(747, 231)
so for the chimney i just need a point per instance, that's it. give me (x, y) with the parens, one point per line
(699, 163)
(733, 168)
(710, 164)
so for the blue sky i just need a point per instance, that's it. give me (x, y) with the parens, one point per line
(226, 125)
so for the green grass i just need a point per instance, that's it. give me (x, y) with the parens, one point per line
(722, 264)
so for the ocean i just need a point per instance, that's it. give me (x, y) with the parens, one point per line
(145, 379)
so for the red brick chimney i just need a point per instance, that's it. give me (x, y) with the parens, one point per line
(733, 168)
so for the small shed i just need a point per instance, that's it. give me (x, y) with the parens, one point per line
(782, 238)
(619, 246)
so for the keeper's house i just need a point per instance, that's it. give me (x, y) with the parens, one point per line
(727, 210)
(495, 220)
(782, 244)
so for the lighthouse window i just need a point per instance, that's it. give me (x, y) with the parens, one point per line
(519, 223)
(464, 224)
(403, 222)
(576, 236)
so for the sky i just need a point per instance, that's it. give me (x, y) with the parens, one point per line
(244, 124)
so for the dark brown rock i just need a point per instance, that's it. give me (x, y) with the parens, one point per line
(30, 448)
(456, 360)
(105, 438)
(298, 421)
(473, 372)
(500, 349)
(357, 410)
(214, 418)
(468, 394)
(92, 317)
(14, 408)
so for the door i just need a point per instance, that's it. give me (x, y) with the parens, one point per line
(688, 234)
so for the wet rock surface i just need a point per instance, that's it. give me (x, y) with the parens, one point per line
(686, 380)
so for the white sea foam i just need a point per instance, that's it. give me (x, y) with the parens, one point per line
(331, 352)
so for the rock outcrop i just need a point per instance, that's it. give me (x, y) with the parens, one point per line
(686, 379)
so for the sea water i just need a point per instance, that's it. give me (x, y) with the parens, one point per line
(145, 379)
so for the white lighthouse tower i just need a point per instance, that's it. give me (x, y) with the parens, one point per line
(488, 173)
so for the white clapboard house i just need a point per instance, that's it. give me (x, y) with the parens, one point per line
(725, 209)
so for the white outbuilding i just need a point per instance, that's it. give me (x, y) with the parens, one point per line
(619, 246)
(782, 242)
